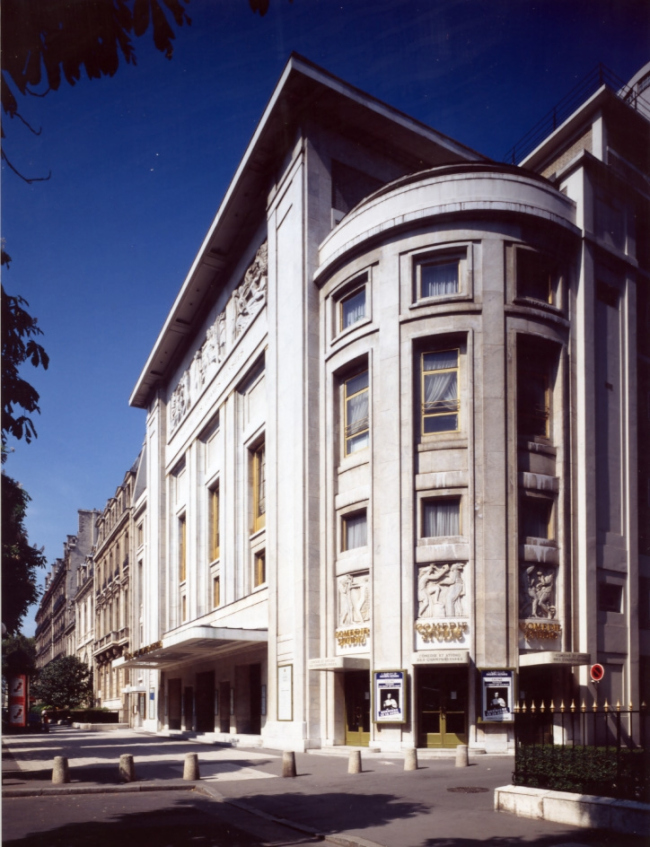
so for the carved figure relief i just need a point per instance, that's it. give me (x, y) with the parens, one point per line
(441, 591)
(537, 592)
(245, 302)
(354, 601)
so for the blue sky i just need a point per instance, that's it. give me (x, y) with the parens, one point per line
(141, 161)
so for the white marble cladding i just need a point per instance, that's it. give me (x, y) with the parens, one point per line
(221, 337)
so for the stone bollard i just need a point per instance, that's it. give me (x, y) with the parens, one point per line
(288, 763)
(411, 759)
(127, 768)
(60, 771)
(191, 766)
(462, 757)
(354, 763)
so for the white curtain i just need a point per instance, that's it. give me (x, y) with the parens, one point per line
(354, 308)
(440, 389)
(357, 412)
(440, 517)
(356, 531)
(438, 280)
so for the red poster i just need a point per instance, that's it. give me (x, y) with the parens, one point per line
(18, 700)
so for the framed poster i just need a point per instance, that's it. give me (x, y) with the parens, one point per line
(152, 705)
(285, 692)
(497, 695)
(389, 696)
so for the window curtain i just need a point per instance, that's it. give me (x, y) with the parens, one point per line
(354, 308)
(357, 412)
(438, 280)
(441, 389)
(356, 531)
(441, 518)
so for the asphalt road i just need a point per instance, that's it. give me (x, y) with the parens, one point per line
(245, 796)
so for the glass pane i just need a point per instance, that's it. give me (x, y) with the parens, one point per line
(439, 279)
(356, 383)
(441, 423)
(440, 359)
(536, 517)
(353, 308)
(356, 531)
(440, 517)
(534, 276)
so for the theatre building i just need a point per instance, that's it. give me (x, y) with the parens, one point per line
(392, 432)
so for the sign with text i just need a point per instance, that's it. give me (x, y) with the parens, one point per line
(497, 696)
(18, 700)
(389, 696)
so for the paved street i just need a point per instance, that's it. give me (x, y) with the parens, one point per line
(241, 798)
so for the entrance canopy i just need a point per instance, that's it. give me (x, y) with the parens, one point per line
(192, 644)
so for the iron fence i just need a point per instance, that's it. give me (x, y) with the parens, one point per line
(598, 750)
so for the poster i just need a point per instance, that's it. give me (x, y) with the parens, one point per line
(18, 700)
(285, 693)
(389, 696)
(497, 696)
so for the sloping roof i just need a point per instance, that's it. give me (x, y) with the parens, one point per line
(303, 91)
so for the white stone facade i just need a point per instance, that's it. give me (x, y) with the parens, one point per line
(373, 421)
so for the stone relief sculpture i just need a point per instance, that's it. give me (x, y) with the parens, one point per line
(537, 592)
(354, 601)
(246, 301)
(441, 591)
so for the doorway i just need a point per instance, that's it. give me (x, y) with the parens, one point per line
(205, 702)
(188, 707)
(255, 694)
(174, 703)
(442, 706)
(357, 708)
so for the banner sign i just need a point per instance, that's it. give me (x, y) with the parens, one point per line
(497, 689)
(18, 700)
(389, 696)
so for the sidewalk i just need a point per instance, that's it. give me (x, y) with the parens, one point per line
(438, 805)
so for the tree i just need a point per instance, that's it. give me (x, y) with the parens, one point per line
(18, 655)
(64, 683)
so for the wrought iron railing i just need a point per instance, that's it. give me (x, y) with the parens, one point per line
(595, 79)
(598, 750)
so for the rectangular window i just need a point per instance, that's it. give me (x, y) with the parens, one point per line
(214, 523)
(259, 569)
(216, 591)
(533, 399)
(610, 597)
(536, 517)
(356, 403)
(140, 534)
(183, 608)
(440, 517)
(536, 276)
(352, 308)
(440, 403)
(355, 531)
(259, 488)
(182, 549)
(438, 279)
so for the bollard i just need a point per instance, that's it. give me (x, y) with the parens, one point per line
(288, 763)
(60, 771)
(462, 758)
(411, 759)
(191, 766)
(354, 763)
(127, 768)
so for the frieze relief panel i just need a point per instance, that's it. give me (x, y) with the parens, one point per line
(443, 606)
(538, 607)
(246, 301)
(353, 614)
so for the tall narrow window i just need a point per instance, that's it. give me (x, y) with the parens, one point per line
(440, 517)
(536, 517)
(438, 279)
(353, 308)
(216, 591)
(259, 488)
(183, 608)
(534, 393)
(182, 549)
(356, 423)
(536, 276)
(355, 531)
(259, 569)
(214, 523)
(440, 404)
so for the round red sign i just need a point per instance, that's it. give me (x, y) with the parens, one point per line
(597, 672)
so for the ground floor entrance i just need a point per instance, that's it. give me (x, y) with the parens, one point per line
(441, 706)
(357, 708)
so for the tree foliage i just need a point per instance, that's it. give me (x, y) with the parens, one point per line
(20, 561)
(18, 346)
(18, 655)
(64, 683)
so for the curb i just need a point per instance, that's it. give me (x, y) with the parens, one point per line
(96, 789)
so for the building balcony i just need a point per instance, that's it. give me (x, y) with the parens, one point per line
(116, 638)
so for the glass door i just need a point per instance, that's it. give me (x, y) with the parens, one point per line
(442, 707)
(357, 708)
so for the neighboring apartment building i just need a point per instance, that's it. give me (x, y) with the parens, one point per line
(392, 428)
(55, 619)
(84, 602)
(112, 585)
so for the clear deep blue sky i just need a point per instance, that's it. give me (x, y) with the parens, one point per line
(141, 161)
